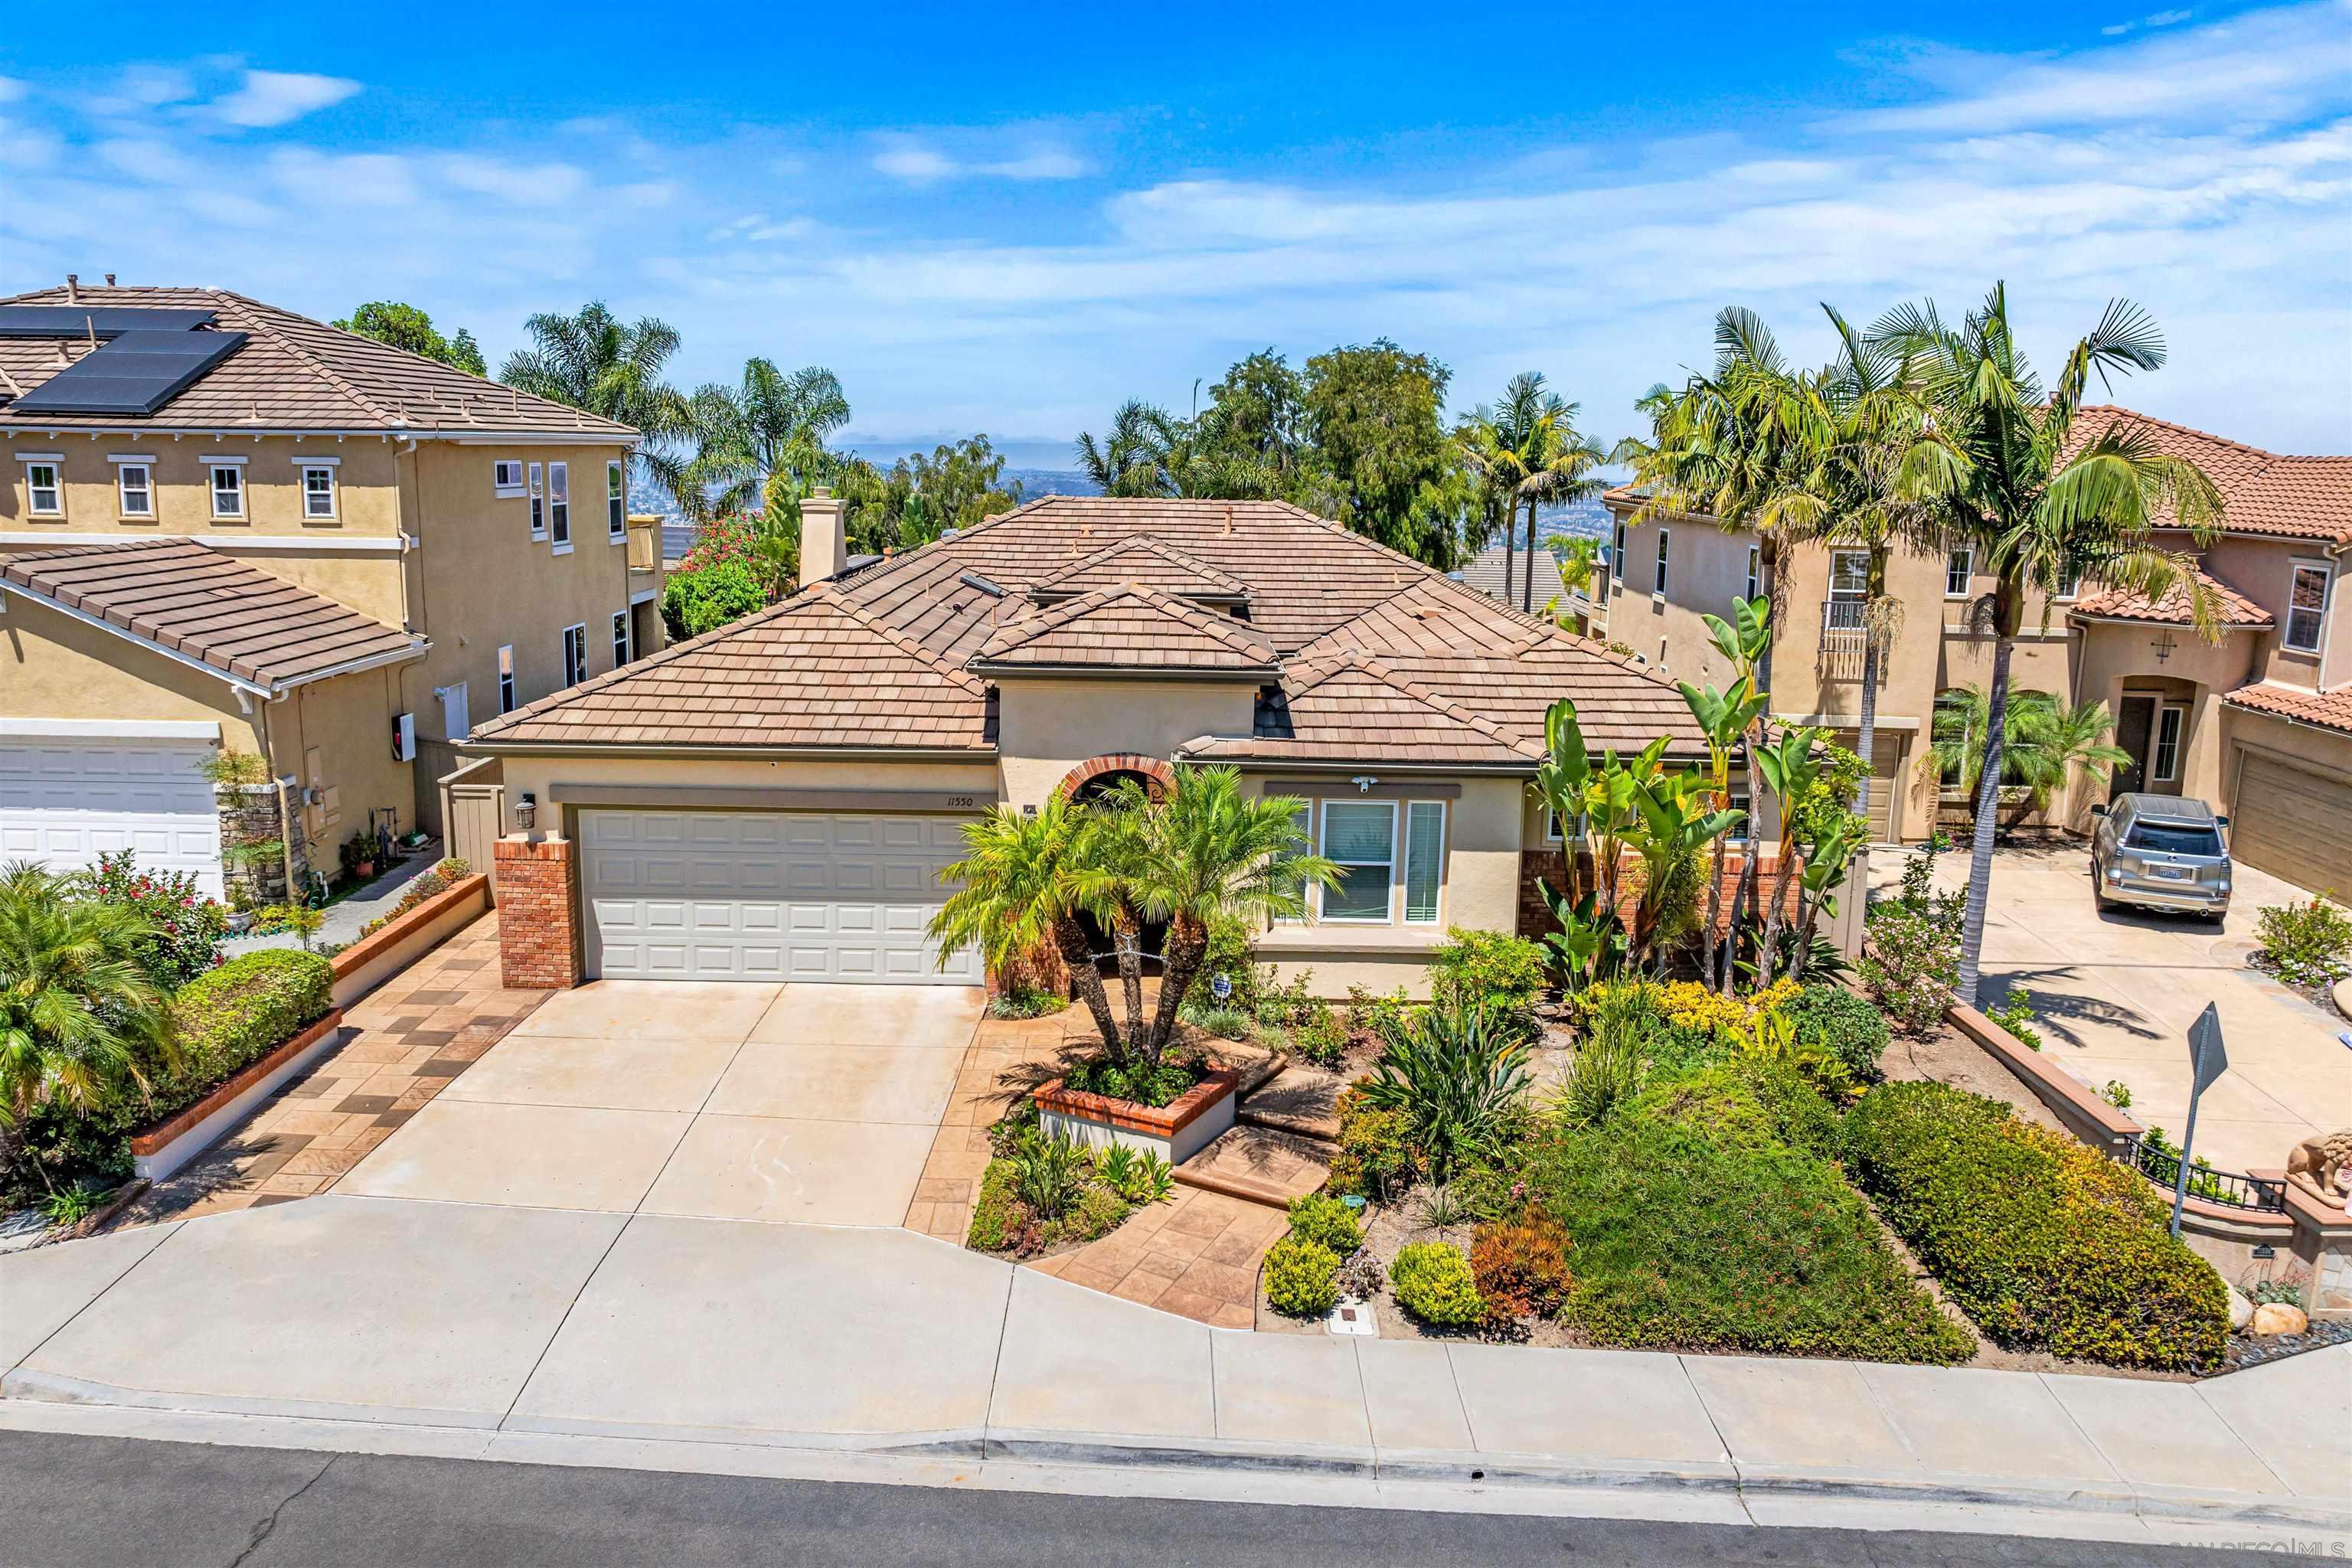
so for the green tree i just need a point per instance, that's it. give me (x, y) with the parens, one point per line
(1373, 414)
(763, 442)
(2047, 743)
(1257, 416)
(406, 327)
(1020, 888)
(1579, 558)
(80, 1018)
(596, 362)
(2043, 504)
(1130, 459)
(919, 497)
(1526, 452)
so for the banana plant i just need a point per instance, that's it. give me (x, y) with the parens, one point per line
(1789, 767)
(1725, 718)
(1675, 821)
(1826, 860)
(1590, 942)
(1746, 640)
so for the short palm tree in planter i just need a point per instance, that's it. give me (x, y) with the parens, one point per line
(1201, 852)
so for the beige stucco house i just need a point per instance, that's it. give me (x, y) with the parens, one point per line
(224, 525)
(776, 800)
(2259, 722)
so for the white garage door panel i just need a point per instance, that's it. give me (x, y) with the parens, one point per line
(65, 802)
(767, 896)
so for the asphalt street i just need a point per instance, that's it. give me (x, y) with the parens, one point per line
(102, 1502)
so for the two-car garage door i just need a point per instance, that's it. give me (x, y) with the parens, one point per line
(64, 800)
(2293, 823)
(681, 895)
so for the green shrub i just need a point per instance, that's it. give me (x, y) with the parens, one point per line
(444, 875)
(241, 1011)
(1453, 1072)
(1488, 968)
(1433, 1282)
(1844, 1023)
(1322, 1039)
(2048, 1245)
(995, 1215)
(1021, 1002)
(1302, 1276)
(1049, 1175)
(1140, 1083)
(2307, 944)
(1912, 966)
(1712, 1236)
(1222, 1023)
(698, 599)
(1381, 1018)
(1326, 1222)
(1233, 952)
(1375, 1156)
(185, 928)
(2015, 1015)
(1520, 1265)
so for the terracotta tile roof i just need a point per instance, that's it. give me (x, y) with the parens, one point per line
(1348, 707)
(1445, 663)
(1144, 561)
(190, 599)
(1126, 628)
(2330, 710)
(2262, 493)
(816, 670)
(293, 374)
(2172, 609)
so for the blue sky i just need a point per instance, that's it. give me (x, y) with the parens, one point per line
(1008, 226)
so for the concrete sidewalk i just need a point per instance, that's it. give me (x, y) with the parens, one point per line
(485, 1328)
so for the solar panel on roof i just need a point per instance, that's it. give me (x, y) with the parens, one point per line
(134, 372)
(98, 321)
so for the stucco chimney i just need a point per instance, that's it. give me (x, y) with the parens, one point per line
(825, 547)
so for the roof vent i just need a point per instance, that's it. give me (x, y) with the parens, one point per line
(975, 580)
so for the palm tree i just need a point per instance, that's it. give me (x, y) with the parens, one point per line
(1526, 451)
(1205, 853)
(2047, 743)
(595, 363)
(1022, 890)
(2045, 507)
(762, 443)
(78, 1013)
(1579, 557)
(1129, 459)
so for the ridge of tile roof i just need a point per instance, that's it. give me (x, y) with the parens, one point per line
(1125, 628)
(292, 372)
(2172, 607)
(1167, 569)
(190, 600)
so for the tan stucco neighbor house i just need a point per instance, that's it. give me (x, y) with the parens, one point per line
(224, 525)
(2259, 723)
(776, 800)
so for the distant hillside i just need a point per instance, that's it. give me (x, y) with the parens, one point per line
(1035, 482)
(1588, 518)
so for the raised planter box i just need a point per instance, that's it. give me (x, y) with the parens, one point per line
(1175, 1131)
(377, 957)
(172, 1143)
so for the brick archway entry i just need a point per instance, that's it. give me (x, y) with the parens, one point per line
(1158, 778)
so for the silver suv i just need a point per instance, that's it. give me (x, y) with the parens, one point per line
(2162, 852)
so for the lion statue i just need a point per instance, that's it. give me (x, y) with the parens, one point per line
(2322, 1164)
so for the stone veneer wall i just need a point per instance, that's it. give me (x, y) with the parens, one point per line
(250, 815)
(539, 946)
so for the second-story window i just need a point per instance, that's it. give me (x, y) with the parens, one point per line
(1755, 572)
(506, 680)
(318, 491)
(2307, 606)
(1849, 589)
(134, 486)
(228, 490)
(2068, 580)
(44, 496)
(538, 501)
(506, 476)
(616, 502)
(1959, 567)
(1617, 553)
(559, 502)
(1659, 588)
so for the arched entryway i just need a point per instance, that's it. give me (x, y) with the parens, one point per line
(1091, 781)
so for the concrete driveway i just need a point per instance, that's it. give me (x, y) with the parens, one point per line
(812, 1103)
(2115, 994)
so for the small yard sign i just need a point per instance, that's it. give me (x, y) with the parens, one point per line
(2207, 1061)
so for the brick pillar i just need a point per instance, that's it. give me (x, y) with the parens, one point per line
(539, 914)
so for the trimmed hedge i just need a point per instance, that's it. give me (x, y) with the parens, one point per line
(1433, 1282)
(1302, 1278)
(1846, 1024)
(2048, 1245)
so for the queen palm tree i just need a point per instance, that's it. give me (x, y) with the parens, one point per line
(1129, 459)
(78, 1013)
(2044, 503)
(1021, 890)
(601, 365)
(763, 442)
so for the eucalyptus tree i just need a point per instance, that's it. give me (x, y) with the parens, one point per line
(2046, 499)
(598, 363)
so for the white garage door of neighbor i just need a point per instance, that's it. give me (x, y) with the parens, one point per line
(680, 894)
(63, 801)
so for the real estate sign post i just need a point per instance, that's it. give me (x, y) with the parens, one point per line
(2207, 1061)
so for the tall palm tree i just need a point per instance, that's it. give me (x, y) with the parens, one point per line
(2045, 505)
(78, 1013)
(762, 443)
(596, 362)
(1204, 853)
(1020, 890)
(1526, 451)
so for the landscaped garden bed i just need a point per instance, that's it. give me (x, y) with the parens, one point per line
(1045, 1193)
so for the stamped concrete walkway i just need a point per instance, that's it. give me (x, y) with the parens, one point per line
(493, 1330)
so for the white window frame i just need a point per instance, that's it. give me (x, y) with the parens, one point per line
(537, 500)
(327, 466)
(1838, 595)
(575, 654)
(1404, 873)
(619, 638)
(508, 489)
(1961, 564)
(506, 679)
(2295, 571)
(559, 506)
(1322, 837)
(1658, 583)
(616, 501)
(123, 463)
(55, 462)
(213, 469)
(1617, 554)
(2069, 586)
(2161, 770)
(1755, 572)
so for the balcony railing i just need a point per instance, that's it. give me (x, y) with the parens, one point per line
(1845, 635)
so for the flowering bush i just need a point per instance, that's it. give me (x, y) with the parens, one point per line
(187, 926)
(720, 580)
(2308, 944)
(444, 875)
(1912, 966)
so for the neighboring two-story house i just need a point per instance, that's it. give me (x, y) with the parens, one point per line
(2260, 723)
(224, 525)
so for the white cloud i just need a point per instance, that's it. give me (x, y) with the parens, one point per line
(907, 159)
(921, 160)
(11, 90)
(280, 98)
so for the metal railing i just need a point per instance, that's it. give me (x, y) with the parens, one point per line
(1845, 635)
(2228, 1188)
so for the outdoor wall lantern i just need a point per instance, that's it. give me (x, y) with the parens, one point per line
(526, 810)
